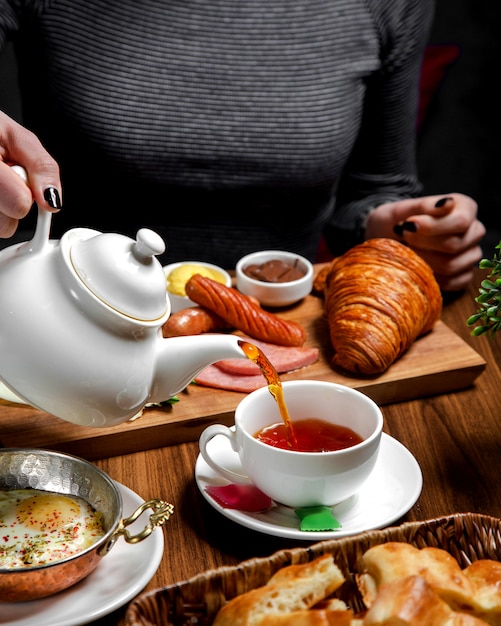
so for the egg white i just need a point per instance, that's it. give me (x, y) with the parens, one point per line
(40, 527)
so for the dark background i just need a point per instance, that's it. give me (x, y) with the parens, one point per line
(459, 143)
(459, 140)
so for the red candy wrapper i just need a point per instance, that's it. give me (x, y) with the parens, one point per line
(240, 497)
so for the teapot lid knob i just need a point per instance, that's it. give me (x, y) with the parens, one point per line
(148, 244)
(122, 272)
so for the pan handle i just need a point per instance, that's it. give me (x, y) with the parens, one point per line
(161, 513)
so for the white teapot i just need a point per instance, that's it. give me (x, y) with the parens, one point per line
(81, 326)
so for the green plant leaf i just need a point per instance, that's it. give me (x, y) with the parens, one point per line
(488, 316)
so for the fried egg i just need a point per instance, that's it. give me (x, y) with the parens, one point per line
(40, 527)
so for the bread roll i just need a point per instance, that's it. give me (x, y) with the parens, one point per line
(485, 576)
(387, 562)
(293, 588)
(379, 297)
(400, 584)
(411, 601)
(313, 617)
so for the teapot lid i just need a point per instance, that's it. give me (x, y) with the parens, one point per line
(122, 272)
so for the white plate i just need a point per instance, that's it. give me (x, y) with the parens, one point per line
(119, 577)
(392, 489)
(10, 396)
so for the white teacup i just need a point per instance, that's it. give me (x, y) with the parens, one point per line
(301, 479)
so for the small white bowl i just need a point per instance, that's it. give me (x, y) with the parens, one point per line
(178, 302)
(275, 294)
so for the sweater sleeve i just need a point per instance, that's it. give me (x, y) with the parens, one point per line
(382, 166)
(9, 20)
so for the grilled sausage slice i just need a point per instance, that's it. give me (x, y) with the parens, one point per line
(241, 312)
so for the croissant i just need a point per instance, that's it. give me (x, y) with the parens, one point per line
(379, 297)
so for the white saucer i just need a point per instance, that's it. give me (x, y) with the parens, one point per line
(392, 489)
(119, 577)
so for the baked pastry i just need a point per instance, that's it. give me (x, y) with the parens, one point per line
(411, 601)
(313, 617)
(388, 562)
(379, 297)
(293, 588)
(400, 585)
(485, 576)
(319, 280)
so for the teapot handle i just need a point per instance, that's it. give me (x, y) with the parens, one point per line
(42, 230)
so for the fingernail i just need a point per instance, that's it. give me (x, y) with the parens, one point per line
(410, 227)
(51, 195)
(440, 203)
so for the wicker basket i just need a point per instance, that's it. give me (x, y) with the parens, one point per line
(468, 537)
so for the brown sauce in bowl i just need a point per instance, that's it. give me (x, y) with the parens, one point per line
(274, 271)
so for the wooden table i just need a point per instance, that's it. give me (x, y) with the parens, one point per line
(455, 437)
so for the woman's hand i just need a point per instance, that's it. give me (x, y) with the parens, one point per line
(19, 146)
(444, 230)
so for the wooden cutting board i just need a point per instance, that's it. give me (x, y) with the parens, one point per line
(437, 363)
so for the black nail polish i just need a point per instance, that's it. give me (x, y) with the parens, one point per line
(409, 227)
(398, 230)
(51, 195)
(440, 203)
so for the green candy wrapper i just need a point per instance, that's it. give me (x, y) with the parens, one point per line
(317, 518)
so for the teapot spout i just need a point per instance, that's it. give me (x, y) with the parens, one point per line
(180, 359)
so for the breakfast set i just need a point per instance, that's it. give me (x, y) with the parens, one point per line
(95, 333)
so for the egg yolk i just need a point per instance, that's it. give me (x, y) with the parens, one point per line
(40, 527)
(47, 512)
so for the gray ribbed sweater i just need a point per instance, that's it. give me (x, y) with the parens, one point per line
(226, 125)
